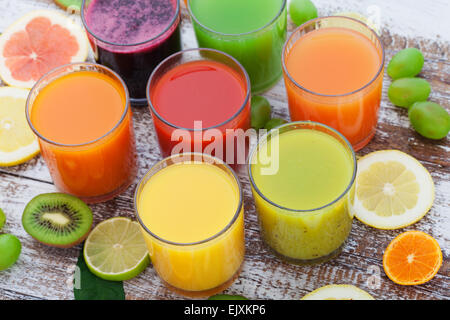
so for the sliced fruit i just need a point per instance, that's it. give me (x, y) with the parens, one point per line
(227, 297)
(70, 5)
(115, 250)
(338, 292)
(18, 143)
(412, 258)
(360, 17)
(393, 190)
(38, 42)
(57, 219)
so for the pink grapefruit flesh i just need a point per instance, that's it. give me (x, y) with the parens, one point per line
(38, 43)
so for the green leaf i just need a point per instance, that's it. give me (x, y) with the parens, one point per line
(87, 286)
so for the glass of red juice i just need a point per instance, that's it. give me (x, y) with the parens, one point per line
(200, 102)
(132, 37)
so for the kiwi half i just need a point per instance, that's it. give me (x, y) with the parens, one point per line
(57, 219)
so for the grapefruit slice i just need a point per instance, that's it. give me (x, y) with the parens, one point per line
(38, 42)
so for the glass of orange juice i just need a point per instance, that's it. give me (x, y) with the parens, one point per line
(333, 71)
(190, 208)
(81, 115)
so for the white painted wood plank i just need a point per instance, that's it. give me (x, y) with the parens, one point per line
(42, 271)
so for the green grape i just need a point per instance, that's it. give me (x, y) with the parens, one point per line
(10, 248)
(429, 119)
(273, 123)
(2, 219)
(302, 11)
(261, 112)
(227, 297)
(405, 91)
(406, 63)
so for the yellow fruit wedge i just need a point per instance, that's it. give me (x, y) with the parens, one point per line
(393, 190)
(338, 292)
(18, 143)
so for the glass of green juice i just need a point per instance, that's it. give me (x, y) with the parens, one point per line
(252, 31)
(302, 176)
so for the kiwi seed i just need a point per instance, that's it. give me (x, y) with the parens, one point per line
(57, 219)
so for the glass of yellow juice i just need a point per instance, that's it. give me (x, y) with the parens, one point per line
(190, 208)
(302, 176)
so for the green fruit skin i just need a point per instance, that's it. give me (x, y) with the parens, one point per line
(302, 11)
(406, 63)
(405, 91)
(121, 277)
(429, 119)
(2, 219)
(227, 297)
(273, 123)
(260, 112)
(10, 248)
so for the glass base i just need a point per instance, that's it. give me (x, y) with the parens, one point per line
(205, 293)
(267, 86)
(138, 102)
(303, 262)
(111, 195)
(359, 145)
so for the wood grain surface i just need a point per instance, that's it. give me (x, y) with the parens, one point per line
(46, 273)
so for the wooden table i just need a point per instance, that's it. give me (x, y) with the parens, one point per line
(46, 273)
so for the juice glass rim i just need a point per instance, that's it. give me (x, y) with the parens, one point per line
(170, 25)
(303, 123)
(59, 68)
(179, 53)
(267, 25)
(192, 155)
(310, 22)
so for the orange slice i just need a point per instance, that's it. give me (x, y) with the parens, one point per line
(38, 42)
(412, 258)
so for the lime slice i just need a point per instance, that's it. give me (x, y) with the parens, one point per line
(18, 143)
(393, 190)
(115, 250)
(338, 292)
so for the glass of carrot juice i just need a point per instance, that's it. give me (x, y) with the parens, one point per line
(190, 208)
(333, 71)
(81, 115)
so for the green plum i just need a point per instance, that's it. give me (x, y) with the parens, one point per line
(302, 11)
(406, 63)
(260, 112)
(10, 248)
(2, 219)
(429, 119)
(405, 91)
(274, 122)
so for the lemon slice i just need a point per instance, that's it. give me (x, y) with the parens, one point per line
(393, 190)
(338, 292)
(18, 143)
(115, 250)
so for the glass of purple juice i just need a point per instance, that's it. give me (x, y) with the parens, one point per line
(132, 37)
